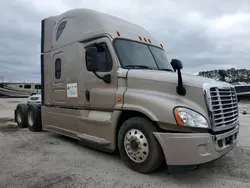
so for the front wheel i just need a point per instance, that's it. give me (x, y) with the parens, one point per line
(138, 147)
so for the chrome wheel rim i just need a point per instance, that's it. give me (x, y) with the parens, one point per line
(136, 145)
(30, 119)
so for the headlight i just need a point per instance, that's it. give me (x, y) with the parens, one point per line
(187, 117)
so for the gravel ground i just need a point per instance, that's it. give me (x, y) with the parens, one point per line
(46, 159)
(7, 106)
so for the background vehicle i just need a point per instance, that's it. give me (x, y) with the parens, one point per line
(242, 90)
(34, 99)
(12, 89)
(108, 83)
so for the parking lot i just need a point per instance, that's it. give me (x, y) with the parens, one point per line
(46, 159)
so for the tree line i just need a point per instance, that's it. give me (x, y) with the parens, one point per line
(233, 75)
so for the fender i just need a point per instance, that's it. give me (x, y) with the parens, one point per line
(157, 106)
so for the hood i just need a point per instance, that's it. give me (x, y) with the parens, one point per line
(169, 77)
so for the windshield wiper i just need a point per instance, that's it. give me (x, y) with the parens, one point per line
(167, 70)
(137, 66)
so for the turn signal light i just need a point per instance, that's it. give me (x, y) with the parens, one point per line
(178, 117)
(118, 99)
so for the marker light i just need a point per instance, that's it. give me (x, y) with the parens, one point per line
(118, 99)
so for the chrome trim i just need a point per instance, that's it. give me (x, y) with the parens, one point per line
(224, 136)
(222, 107)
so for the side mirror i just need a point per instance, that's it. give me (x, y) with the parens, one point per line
(176, 64)
(91, 59)
(107, 78)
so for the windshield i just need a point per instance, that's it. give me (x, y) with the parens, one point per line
(138, 55)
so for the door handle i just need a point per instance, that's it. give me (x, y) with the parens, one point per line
(87, 95)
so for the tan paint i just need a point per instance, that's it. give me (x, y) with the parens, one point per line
(151, 92)
(102, 95)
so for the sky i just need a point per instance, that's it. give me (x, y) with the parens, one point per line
(204, 35)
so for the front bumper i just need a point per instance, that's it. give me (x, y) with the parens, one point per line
(196, 148)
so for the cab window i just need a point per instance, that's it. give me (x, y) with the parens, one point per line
(104, 58)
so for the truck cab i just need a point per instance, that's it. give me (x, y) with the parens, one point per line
(108, 83)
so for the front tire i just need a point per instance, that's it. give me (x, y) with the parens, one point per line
(138, 147)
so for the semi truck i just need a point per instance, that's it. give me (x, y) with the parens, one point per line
(108, 83)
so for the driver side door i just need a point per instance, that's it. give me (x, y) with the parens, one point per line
(99, 94)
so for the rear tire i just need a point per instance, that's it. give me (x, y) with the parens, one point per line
(147, 156)
(21, 115)
(34, 118)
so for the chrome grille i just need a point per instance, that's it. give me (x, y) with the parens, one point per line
(224, 107)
